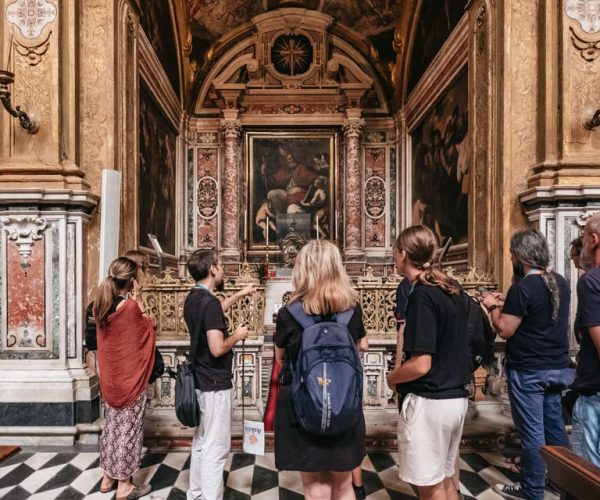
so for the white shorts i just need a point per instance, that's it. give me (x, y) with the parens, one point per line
(429, 433)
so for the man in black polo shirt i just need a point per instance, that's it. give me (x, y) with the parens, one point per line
(212, 362)
(586, 413)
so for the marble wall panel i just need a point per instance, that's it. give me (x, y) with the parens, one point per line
(375, 197)
(26, 329)
(207, 195)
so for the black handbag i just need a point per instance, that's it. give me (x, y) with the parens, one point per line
(186, 400)
(159, 367)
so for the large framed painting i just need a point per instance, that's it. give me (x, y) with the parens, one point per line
(158, 143)
(440, 164)
(291, 175)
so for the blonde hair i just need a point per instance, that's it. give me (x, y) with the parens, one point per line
(320, 280)
(120, 272)
(420, 244)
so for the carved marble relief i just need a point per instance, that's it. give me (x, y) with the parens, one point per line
(31, 16)
(207, 195)
(375, 198)
(586, 13)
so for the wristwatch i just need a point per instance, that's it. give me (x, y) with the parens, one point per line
(492, 307)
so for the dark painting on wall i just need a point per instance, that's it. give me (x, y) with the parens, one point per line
(157, 23)
(157, 175)
(437, 20)
(440, 159)
(289, 173)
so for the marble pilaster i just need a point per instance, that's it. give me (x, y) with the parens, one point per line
(231, 190)
(44, 380)
(352, 127)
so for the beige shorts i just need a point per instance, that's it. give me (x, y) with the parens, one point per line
(429, 432)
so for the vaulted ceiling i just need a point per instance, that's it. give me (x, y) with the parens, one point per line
(211, 19)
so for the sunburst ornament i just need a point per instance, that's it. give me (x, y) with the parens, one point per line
(292, 54)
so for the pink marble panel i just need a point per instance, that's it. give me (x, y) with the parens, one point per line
(230, 206)
(26, 298)
(375, 162)
(375, 232)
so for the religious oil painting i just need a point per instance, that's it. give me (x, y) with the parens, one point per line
(440, 165)
(289, 173)
(157, 175)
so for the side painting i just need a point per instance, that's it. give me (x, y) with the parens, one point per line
(157, 175)
(440, 157)
(291, 173)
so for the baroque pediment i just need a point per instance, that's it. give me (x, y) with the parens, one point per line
(288, 62)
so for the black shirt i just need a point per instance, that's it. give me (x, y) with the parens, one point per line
(288, 334)
(203, 312)
(436, 324)
(402, 293)
(587, 377)
(539, 342)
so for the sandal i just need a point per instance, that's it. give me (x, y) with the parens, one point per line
(112, 487)
(138, 491)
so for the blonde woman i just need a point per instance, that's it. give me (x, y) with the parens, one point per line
(126, 350)
(325, 463)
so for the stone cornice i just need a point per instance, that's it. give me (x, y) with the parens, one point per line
(53, 197)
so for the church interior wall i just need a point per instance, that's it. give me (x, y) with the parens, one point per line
(95, 72)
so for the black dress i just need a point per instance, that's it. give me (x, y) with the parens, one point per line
(296, 449)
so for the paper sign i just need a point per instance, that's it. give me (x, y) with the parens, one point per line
(254, 437)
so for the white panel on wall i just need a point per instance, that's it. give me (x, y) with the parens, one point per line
(110, 213)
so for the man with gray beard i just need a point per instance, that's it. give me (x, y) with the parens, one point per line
(586, 413)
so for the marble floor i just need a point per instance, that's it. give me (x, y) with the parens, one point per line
(47, 474)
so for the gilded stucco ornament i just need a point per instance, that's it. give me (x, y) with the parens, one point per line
(586, 13)
(31, 16)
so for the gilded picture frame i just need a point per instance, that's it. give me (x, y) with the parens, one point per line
(289, 172)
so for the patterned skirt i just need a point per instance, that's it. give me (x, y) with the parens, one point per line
(121, 439)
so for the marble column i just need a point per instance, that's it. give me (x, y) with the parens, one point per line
(352, 127)
(230, 211)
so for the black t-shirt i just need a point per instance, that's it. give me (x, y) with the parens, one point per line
(203, 312)
(288, 334)
(588, 314)
(539, 342)
(436, 324)
(402, 293)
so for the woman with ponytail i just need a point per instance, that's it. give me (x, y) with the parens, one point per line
(534, 318)
(126, 349)
(431, 382)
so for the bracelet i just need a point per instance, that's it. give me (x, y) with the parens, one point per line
(493, 307)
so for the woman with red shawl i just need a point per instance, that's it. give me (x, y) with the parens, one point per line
(126, 348)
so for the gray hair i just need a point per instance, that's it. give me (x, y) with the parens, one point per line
(531, 248)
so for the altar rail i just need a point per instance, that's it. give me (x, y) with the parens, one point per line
(164, 297)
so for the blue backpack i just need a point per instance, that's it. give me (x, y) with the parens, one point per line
(327, 377)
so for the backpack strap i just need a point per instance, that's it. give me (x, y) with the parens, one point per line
(344, 317)
(296, 309)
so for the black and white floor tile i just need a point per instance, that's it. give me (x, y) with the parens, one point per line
(76, 475)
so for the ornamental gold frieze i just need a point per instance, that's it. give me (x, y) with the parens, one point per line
(164, 297)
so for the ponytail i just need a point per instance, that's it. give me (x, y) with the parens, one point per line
(432, 276)
(552, 286)
(120, 272)
(107, 294)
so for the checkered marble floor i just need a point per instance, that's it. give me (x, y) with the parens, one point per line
(75, 475)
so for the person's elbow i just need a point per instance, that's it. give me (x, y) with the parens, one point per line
(422, 365)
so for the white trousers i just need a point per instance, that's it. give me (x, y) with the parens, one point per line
(210, 446)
